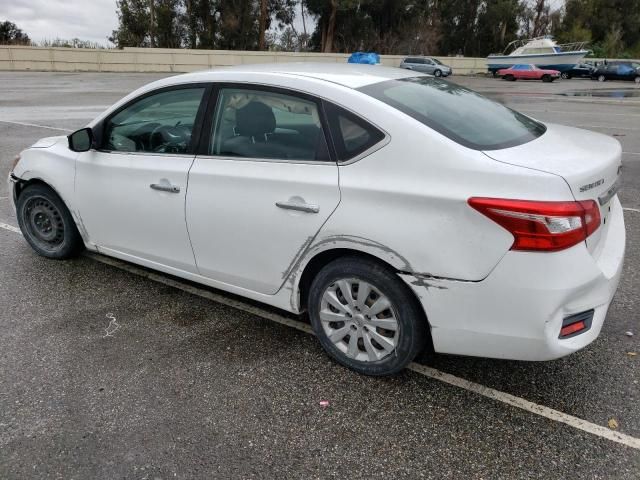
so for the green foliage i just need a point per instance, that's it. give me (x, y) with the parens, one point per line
(443, 27)
(10, 34)
(613, 26)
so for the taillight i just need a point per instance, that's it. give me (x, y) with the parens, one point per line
(545, 226)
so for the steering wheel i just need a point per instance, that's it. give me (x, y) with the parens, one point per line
(167, 138)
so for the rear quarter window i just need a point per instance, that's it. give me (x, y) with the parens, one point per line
(351, 134)
(458, 113)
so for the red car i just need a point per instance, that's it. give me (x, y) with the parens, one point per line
(528, 72)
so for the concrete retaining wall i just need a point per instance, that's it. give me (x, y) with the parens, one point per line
(178, 60)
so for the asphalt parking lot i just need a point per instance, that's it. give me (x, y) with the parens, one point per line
(189, 387)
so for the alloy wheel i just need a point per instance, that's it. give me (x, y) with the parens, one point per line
(359, 320)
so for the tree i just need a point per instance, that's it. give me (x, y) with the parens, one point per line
(497, 26)
(612, 26)
(134, 21)
(10, 34)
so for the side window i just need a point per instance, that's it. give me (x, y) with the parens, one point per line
(158, 123)
(351, 134)
(264, 124)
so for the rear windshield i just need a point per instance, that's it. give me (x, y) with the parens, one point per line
(460, 114)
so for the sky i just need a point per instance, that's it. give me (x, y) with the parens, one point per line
(48, 19)
(92, 20)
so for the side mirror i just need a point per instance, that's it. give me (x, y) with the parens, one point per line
(81, 140)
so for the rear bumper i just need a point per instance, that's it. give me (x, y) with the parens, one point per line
(517, 311)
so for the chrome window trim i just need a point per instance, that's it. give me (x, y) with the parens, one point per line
(329, 163)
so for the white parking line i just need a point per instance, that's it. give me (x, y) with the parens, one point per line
(628, 209)
(491, 393)
(11, 228)
(25, 124)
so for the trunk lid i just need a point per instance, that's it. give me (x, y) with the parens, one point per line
(589, 162)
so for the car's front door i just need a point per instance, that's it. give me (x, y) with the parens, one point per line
(131, 189)
(263, 186)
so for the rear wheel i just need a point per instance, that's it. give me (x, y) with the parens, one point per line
(565, 75)
(601, 78)
(637, 79)
(365, 317)
(509, 78)
(47, 224)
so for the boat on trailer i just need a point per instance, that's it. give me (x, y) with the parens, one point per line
(542, 52)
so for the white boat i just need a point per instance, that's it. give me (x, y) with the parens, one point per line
(543, 52)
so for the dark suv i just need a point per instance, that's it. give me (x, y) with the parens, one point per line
(617, 71)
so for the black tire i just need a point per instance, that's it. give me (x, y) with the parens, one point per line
(565, 75)
(438, 73)
(412, 329)
(547, 79)
(602, 78)
(47, 224)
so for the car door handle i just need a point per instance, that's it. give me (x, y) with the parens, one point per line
(163, 187)
(301, 207)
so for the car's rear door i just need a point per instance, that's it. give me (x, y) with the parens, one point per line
(131, 190)
(262, 186)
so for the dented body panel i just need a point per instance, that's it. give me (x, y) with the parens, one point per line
(403, 202)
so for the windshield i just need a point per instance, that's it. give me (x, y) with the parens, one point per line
(435, 60)
(460, 114)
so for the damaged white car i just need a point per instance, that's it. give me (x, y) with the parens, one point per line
(401, 211)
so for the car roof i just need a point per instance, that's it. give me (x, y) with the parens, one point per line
(346, 74)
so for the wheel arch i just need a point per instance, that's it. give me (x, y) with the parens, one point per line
(28, 179)
(318, 260)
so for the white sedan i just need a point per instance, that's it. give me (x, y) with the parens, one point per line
(401, 211)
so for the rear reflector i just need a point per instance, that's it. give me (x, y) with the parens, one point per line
(576, 324)
(541, 226)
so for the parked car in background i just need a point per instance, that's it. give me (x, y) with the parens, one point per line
(528, 72)
(617, 71)
(427, 65)
(581, 70)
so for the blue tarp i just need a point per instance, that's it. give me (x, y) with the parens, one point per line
(367, 58)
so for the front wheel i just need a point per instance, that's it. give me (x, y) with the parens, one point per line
(47, 224)
(438, 73)
(365, 317)
(547, 78)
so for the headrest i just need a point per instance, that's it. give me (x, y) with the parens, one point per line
(255, 119)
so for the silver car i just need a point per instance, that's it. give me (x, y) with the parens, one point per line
(427, 65)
